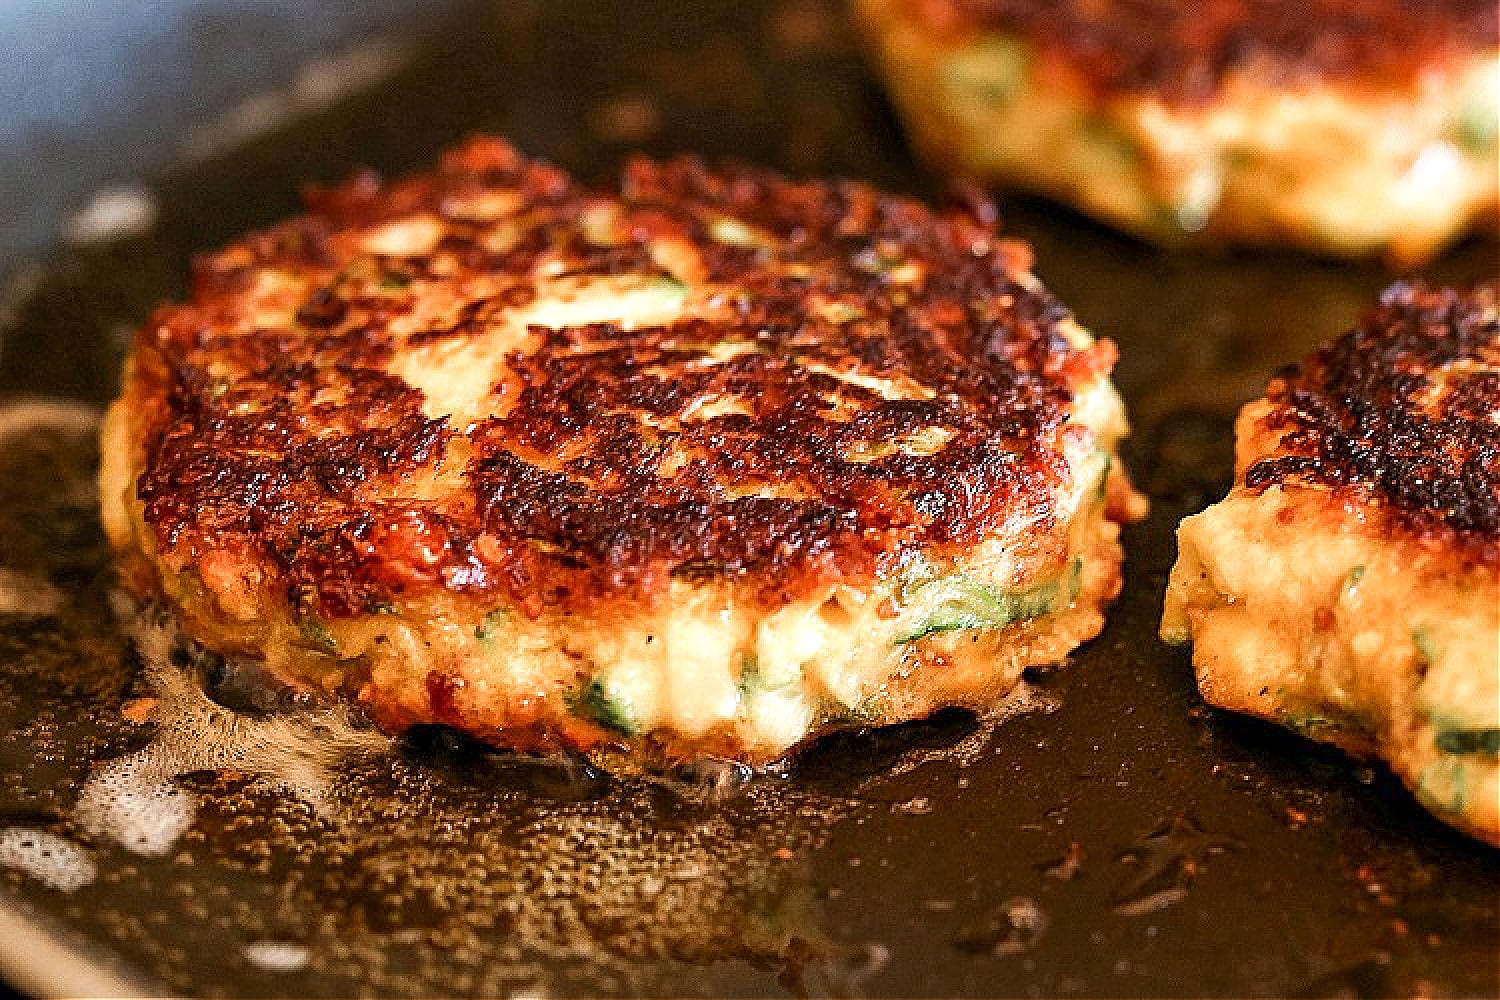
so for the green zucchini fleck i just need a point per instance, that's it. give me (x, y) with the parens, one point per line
(317, 635)
(1309, 724)
(486, 629)
(988, 72)
(1426, 644)
(1118, 148)
(670, 284)
(1469, 742)
(870, 708)
(1478, 124)
(841, 313)
(750, 680)
(754, 679)
(957, 602)
(606, 704)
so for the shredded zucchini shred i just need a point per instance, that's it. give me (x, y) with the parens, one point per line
(955, 601)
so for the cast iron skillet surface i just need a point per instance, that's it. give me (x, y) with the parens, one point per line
(1116, 839)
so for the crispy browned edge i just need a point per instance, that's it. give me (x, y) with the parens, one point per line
(1182, 53)
(1361, 414)
(302, 487)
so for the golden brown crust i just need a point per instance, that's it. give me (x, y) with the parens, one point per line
(1402, 409)
(288, 444)
(1182, 53)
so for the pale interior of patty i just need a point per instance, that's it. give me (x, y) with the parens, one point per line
(705, 665)
(458, 377)
(1305, 616)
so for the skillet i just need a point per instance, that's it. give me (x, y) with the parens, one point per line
(1114, 837)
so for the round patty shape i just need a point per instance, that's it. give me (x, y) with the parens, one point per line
(1347, 585)
(701, 465)
(1337, 127)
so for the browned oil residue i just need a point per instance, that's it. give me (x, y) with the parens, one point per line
(1166, 861)
(1011, 928)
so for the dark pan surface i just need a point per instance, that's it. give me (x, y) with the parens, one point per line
(1119, 839)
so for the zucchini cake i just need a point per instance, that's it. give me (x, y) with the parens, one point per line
(1344, 128)
(1347, 585)
(703, 463)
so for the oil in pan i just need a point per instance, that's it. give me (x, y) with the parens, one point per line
(1117, 838)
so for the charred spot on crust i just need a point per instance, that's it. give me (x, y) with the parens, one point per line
(779, 442)
(1184, 53)
(1403, 407)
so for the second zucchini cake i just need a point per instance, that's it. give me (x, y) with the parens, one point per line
(1346, 587)
(1342, 127)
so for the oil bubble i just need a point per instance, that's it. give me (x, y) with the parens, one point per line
(55, 861)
